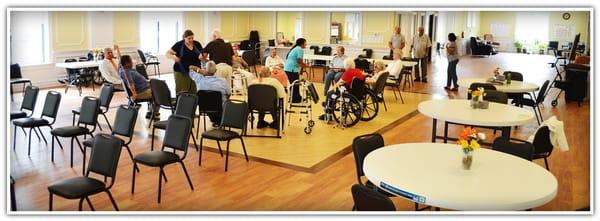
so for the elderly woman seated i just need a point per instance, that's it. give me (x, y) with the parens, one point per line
(378, 68)
(350, 73)
(264, 77)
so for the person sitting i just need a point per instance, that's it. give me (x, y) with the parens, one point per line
(378, 68)
(206, 80)
(337, 68)
(395, 68)
(350, 73)
(109, 67)
(274, 60)
(237, 62)
(278, 73)
(137, 83)
(264, 77)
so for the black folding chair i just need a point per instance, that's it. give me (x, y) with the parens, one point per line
(186, 106)
(17, 78)
(263, 98)
(161, 97)
(49, 112)
(149, 61)
(208, 102)
(28, 104)
(522, 150)
(106, 95)
(367, 199)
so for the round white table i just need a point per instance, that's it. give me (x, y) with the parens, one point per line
(459, 111)
(432, 174)
(513, 87)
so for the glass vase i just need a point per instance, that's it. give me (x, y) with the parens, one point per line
(467, 159)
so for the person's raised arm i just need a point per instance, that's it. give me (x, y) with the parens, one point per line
(117, 51)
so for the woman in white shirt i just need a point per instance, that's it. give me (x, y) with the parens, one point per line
(395, 67)
(264, 77)
(273, 60)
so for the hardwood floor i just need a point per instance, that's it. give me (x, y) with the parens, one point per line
(260, 186)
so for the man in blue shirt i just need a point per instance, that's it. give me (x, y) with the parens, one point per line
(337, 68)
(207, 81)
(136, 82)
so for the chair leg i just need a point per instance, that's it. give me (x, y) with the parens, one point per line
(29, 146)
(194, 139)
(83, 152)
(72, 139)
(133, 177)
(42, 134)
(73, 123)
(540, 112)
(186, 175)
(36, 133)
(244, 148)
(15, 138)
(394, 91)
(536, 116)
(81, 204)
(160, 183)
(227, 156)
(107, 123)
(112, 200)
(400, 95)
(89, 203)
(50, 202)
(383, 100)
(152, 139)
(219, 145)
(131, 156)
(546, 162)
(200, 152)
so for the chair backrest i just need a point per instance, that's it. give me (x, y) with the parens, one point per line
(177, 134)
(142, 56)
(106, 152)
(326, 50)
(71, 71)
(249, 57)
(51, 104)
(542, 93)
(262, 97)
(271, 42)
(367, 199)
(235, 114)
(380, 83)
(514, 76)
(125, 120)
(29, 98)
(485, 86)
(245, 45)
(106, 95)
(161, 95)
(496, 97)
(522, 150)
(357, 88)
(541, 141)
(209, 101)
(315, 49)
(89, 111)
(15, 71)
(553, 45)
(387, 57)
(141, 68)
(368, 52)
(362, 64)
(363, 145)
(186, 105)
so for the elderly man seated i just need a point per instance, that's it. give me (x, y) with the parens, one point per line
(109, 67)
(350, 73)
(264, 77)
(206, 80)
(336, 69)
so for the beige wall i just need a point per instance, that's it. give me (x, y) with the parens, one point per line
(194, 21)
(235, 26)
(69, 31)
(316, 27)
(126, 29)
(286, 22)
(377, 27)
(264, 23)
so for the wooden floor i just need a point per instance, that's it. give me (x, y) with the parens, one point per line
(262, 186)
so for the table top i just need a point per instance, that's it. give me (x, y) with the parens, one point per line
(513, 87)
(79, 64)
(460, 111)
(432, 174)
(386, 62)
(318, 57)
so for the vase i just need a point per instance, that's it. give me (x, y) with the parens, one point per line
(467, 159)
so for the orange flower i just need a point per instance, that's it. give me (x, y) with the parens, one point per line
(466, 132)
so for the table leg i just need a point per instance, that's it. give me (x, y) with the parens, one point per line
(445, 132)
(506, 133)
(433, 130)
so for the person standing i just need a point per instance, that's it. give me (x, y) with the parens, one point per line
(337, 68)
(397, 41)
(185, 53)
(420, 47)
(452, 55)
(218, 50)
(292, 65)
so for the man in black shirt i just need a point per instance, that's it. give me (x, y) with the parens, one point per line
(218, 50)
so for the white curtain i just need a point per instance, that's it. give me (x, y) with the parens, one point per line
(531, 27)
(160, 30)
(29, 40)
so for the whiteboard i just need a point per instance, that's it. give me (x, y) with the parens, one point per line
(499, 29)
(563, 31)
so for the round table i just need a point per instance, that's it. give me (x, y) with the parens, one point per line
(513, 87)
(432, 174)
(459, 111)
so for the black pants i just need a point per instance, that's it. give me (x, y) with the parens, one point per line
(292, 76)
(261, 115)
(215, 118)
(452, 77)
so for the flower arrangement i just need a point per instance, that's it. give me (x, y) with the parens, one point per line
(469, 141)
(96, 52)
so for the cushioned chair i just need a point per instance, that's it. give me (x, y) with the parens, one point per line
(379, 87)
(394, 83)
(367, 199)
(141, 68)
(28, 104)
(124, 126)
(17, 78)
(496, 97)
(514, 76)
(48, 113)
(363, 64)
(235, 116)
(161, 97)
(250, 58)
(104, 161)
(535, 103)
(13, 199)
(542, 145)
(522, 150)
(208, 102)
(186, 106)
(480, 48)
(150, 61)
(106, 95)
(368, 53)
(89, 114)
(263, 98)
(176, 138)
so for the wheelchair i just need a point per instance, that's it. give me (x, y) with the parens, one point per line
(353, 105)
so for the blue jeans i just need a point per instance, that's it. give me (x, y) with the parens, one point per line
(330, 78)
(452, 77)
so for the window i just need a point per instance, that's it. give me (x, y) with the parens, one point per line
(29, 34)
(352, 30)
(532, 27)
(298, 28)
(159, 31)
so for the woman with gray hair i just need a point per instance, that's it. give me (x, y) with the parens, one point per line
(378, 68)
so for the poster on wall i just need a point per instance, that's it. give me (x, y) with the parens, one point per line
(563, 31)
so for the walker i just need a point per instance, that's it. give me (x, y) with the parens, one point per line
(309, 94)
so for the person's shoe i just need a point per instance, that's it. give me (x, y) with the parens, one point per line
(424, 80)
(379, 98)
(455, 88)
(322, 117)
(62, 81)
(447, 88)
(261, 124)
(274, 125)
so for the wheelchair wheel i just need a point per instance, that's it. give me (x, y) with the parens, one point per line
(370, 106)
(554, 103)
(347, 112)
(307, 130)
(311, 123)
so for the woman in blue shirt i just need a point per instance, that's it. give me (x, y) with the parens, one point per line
(293, 65)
